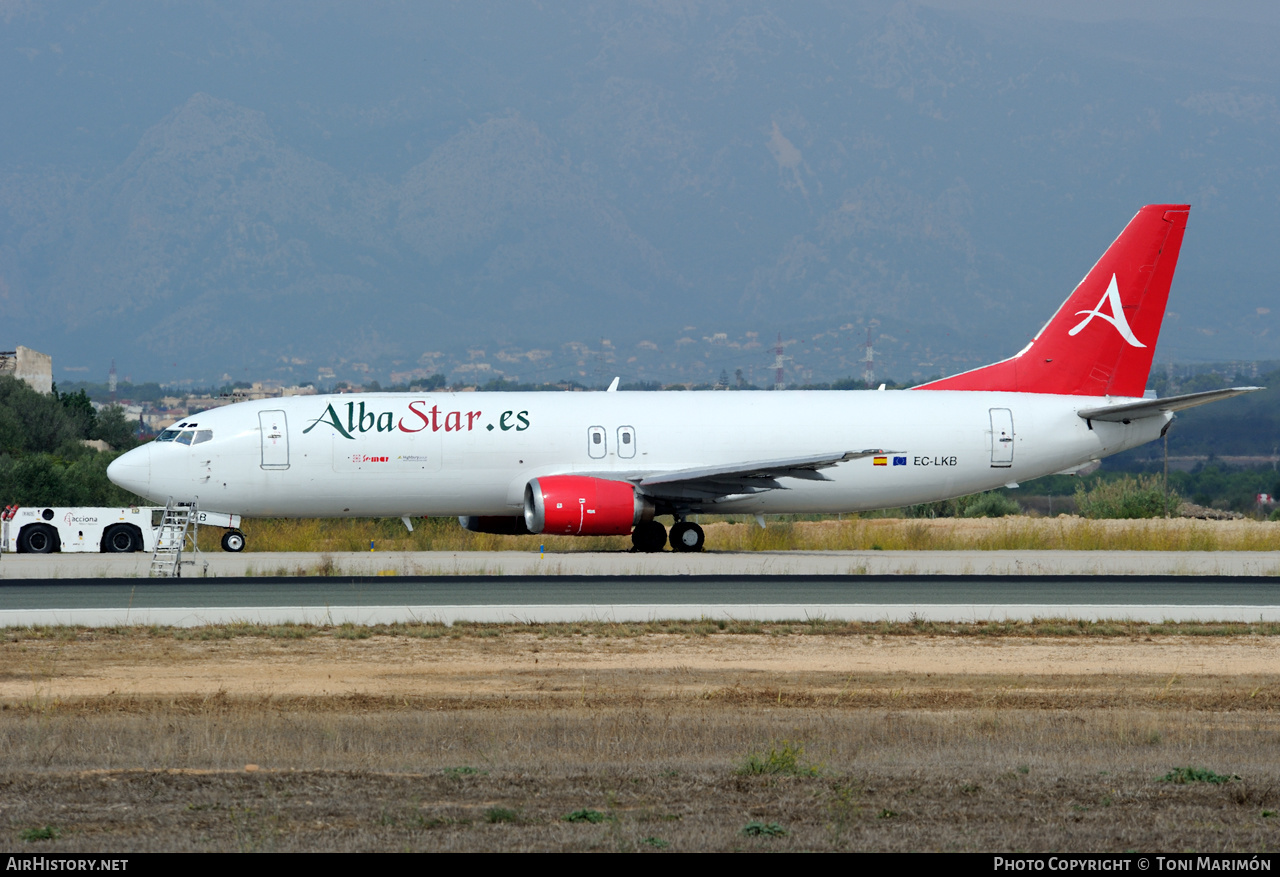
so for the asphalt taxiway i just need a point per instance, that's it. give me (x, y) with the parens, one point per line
(550, 595)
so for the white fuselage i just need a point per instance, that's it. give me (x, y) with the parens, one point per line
(393, 454)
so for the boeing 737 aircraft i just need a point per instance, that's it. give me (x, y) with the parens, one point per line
(614, 462)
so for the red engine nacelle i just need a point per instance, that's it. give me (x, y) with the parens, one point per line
(577, 505)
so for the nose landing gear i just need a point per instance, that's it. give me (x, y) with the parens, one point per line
(233, 540)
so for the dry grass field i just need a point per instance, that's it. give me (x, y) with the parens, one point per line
(742, 534)
(693, 736)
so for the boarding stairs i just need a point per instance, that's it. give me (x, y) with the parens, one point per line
(178, 529)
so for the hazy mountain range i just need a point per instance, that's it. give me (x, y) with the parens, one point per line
(338, 191)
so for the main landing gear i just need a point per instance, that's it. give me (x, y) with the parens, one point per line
(651, 536)
(687, 536)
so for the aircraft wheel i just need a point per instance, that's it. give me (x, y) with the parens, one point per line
(120, 540)
(649, 536)
(38, 539)
(687, 536)
(233, 540)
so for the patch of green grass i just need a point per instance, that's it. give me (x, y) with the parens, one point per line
(785, 759)
(763, 829)
(290, 630)
(595, 817)
(1182, 775)
(465, 770)
(657, 843)
(45, 832)
(352, 631)
(496, 815)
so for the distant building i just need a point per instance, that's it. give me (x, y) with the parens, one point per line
(269, 390)
(29, 365)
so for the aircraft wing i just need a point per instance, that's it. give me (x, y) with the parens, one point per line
(1127, 411)
(708, 484)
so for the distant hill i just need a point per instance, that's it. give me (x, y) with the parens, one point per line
(544, 192)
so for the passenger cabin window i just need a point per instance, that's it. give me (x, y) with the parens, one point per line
(626, 442)
(597, 447)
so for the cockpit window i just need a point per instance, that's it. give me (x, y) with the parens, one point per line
(186, 436)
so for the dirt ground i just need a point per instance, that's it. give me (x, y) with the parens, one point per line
(529, 665)
(494, 739)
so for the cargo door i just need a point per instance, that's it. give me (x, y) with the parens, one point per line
(1001, 438)
(275, 439)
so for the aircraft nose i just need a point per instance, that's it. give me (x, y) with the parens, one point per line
(132, 470)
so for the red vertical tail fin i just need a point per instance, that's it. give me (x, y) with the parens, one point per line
(1100, 342)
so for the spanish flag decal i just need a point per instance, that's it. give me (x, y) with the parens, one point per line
(881, 461)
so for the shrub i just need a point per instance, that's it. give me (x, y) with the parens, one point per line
(784, 758)
(1182, 775)
(47, 832)
(1125, 497)
(979, 505)
(464, 770)
(763, 829)
(990, 505)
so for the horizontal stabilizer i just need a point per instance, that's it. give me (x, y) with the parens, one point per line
(1127, 411)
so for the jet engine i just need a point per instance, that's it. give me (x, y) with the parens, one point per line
(577, 505)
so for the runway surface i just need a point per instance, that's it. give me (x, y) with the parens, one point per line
(558, 598)
(624, 563)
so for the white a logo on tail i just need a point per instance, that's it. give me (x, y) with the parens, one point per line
(1116, 318)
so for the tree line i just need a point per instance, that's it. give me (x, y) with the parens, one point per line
(44, 459)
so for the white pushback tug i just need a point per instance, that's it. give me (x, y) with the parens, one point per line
(111, 530)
